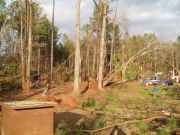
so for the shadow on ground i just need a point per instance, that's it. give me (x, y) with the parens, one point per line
(69, 123)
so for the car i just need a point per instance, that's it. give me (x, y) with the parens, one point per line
(150, 82)
(157, 81)
(167, 82)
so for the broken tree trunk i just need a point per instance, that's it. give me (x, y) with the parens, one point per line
(52, 41)
(77, 52)
(102, 47)
(113, 40)
(22, 56)
(29, 50)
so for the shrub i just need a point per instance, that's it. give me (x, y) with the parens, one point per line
(142, 128)
(89, 103)
(61, 129)
(169, 128)
(99, 123)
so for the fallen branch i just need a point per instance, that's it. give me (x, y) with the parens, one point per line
(147, 120)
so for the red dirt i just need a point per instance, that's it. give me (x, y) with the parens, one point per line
(69, 102)
(60, 94)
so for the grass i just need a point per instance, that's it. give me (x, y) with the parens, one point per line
(142, 128)
(64, 129)
(89, 103)
(133, 101)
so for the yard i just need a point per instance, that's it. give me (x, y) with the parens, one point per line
(131, 106)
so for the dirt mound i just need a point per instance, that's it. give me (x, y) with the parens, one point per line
(69, 102)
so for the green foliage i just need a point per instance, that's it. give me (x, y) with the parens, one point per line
(8, 66)
(174, 92)
(79, 132)
(77, 129)
(63, 50)
(99, 123)
(7, 85)
(2, 12)
(172, 124)
(142, 128)
(89, 103)
(163, 131)
(2, 5)
(61, 129)
(11, 69)
(42, 31)
(41, 27)
(109, 97)
(169, 128)
(169, 91)
(132, 72)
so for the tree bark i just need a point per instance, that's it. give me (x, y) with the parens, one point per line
(87, 61)
(77, 52)
(126, 35)
(22, 56)
(52, 42)
(94, 61)
(28, 72)
(39, 61)
(113, 41)
(102, 48)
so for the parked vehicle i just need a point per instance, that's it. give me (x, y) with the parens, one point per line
(157, 81)
(150, 82)
(167, 82)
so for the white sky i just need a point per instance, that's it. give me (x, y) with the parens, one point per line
(158, 16)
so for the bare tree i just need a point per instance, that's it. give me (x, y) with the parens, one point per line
(126, 35)
(29, 49)
(77, 51)
(22, 55)
(102, 47)
(113, 39)
(39, 61)
(52, 40)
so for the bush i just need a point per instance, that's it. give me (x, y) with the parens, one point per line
(10, 84)
(61, 129)
(169, 128)
(89, 103)
(142, 128)
(174, 92)
(169, 91)
(99, 123)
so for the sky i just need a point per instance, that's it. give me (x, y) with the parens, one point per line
(161, 17)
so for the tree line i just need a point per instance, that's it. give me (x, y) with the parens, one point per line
(103, 50)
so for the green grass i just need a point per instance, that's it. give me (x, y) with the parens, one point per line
(169, 128)
(142, 128)
(89, 103)
(137, 102)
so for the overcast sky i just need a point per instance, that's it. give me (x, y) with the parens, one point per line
(158, 16)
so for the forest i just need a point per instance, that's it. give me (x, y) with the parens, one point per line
(103, 81)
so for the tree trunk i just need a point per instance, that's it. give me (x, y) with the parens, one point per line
(39, 61)
(173, 64)
(126, 35)
(22, 56)
(94, 61)
(123, 63)
(102, 48)
(87, 61)
(52, 41)
(77, 51)
(28, 72)
(113, 41)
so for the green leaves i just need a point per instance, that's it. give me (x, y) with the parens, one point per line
(2, 5)
(2, 12)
